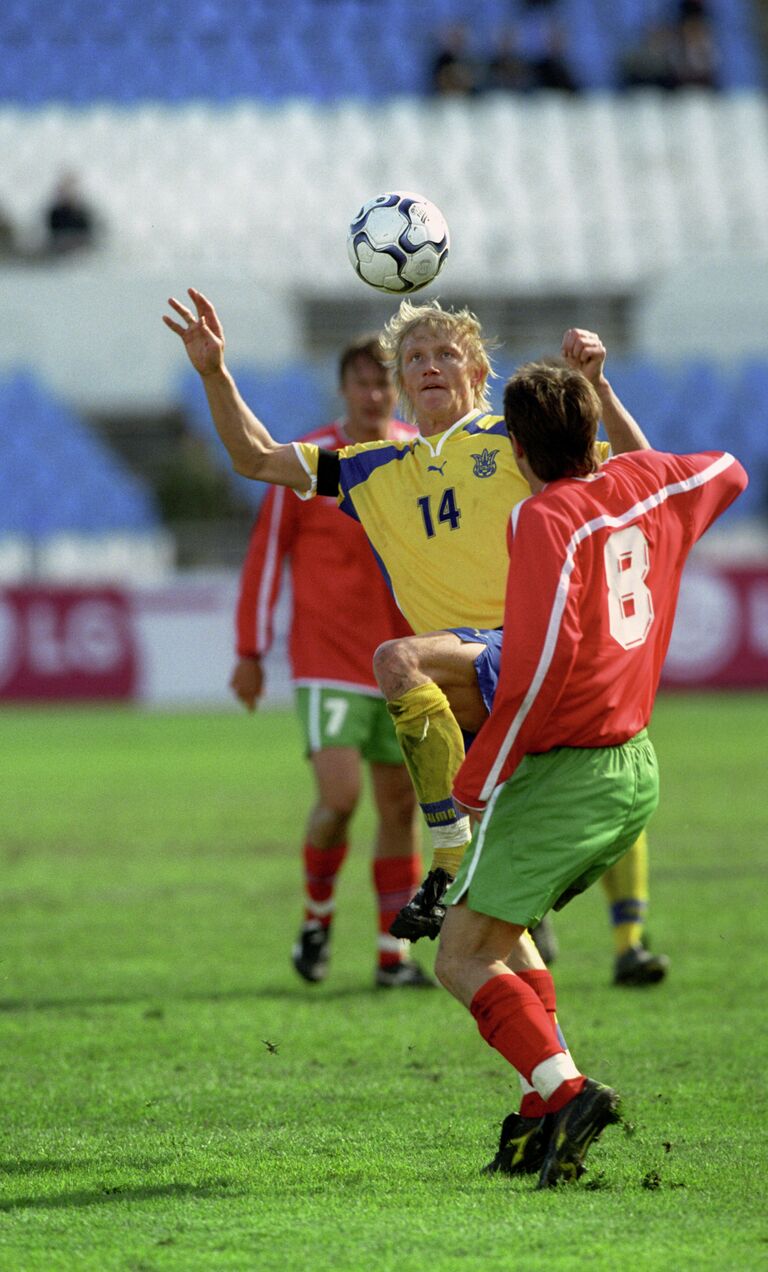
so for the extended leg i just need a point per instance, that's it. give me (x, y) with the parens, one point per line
(431, 690)
(473, 963)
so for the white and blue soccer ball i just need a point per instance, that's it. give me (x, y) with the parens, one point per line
(398, 242)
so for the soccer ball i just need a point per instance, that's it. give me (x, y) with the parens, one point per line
(398, 242)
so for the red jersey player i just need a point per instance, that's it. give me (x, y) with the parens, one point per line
(562, 775)
(342, 610)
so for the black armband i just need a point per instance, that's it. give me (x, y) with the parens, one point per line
(328, 472)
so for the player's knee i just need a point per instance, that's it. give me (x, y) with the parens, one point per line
(328, 823)
(392, 663)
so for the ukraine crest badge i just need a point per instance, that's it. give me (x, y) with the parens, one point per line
(485, 463)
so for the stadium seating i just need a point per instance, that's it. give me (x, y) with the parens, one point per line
(223, 135)
(596, 193)
(291, 399)
(58, 481)
(218, 50)
(56, 475)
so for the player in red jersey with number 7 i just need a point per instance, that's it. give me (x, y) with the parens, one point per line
(562, 776)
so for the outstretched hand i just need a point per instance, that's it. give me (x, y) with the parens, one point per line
(203, 335)
(584, 351)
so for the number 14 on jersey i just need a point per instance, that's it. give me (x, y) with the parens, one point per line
(447, 511)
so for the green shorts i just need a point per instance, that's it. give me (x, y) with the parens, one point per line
(560, 821)
(334, 717)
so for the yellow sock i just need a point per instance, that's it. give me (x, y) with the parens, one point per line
(626, 886)
(433, 749)
(448, 859)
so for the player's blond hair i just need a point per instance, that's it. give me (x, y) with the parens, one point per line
(460, 325)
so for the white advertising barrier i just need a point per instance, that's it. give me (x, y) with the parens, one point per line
(169, 646)
(185, 636)
(172, 645)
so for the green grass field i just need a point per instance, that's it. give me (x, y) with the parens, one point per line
(149, 899)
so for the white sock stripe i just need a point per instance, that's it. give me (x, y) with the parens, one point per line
(453, 836)
(391, 945)
(321, 908)
(548, 1075)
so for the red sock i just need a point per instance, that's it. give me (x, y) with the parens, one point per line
(541, 982)
(395, 880)
(564, 1093)
(321, 866)
(512, 1018)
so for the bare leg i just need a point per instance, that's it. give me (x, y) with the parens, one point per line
(475, 947)
(398, 831)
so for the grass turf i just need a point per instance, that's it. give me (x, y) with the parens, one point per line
(149, 899)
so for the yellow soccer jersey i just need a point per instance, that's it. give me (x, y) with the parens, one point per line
(436, 511)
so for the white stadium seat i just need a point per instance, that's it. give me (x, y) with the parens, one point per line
(541, 192)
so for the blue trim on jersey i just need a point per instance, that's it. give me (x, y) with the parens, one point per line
(356, 469)
(474, 427)
(346, 505)
(384, 571)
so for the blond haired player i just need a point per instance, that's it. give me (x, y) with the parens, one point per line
(435, 510)
(342, 712)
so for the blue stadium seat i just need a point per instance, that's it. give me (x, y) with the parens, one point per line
(329, 50)
(56, 474)
(292, 400)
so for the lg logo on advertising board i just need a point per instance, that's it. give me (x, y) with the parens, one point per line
(720, 637)
(66, 643)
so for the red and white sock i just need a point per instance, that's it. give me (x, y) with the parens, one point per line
(395, 880)
(542, 984)
(512, 1018)
(321, 866)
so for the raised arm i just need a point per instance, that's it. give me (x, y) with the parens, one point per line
(253, 451)
(585, 352)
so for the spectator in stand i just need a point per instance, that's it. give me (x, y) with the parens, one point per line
(652, 61)
(541, 43)
(678, 53)
(550, 70)
(507, 71)
(697, 64)
(455, 72)
(69, 221)
(342, 610)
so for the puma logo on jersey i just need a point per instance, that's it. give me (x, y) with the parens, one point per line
(485, 463)
(438, 468)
